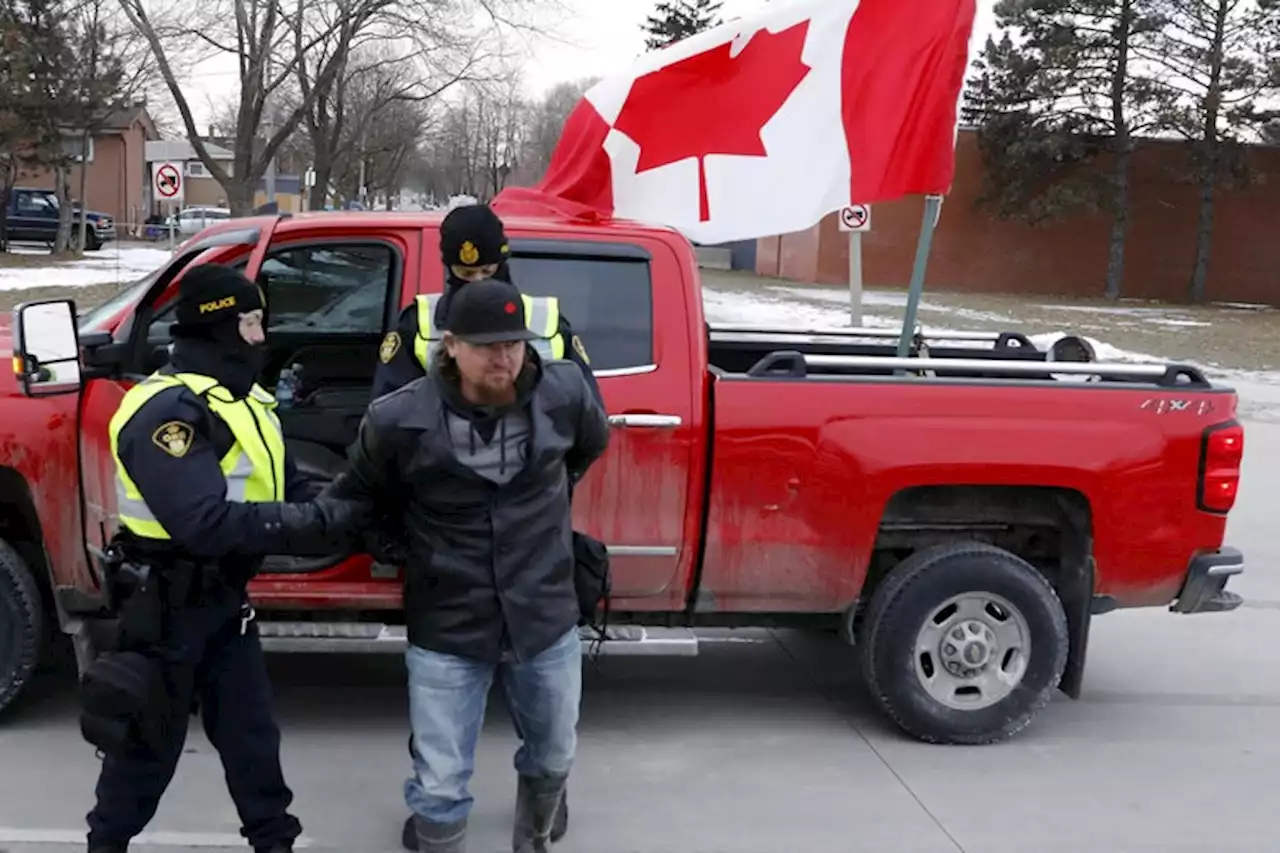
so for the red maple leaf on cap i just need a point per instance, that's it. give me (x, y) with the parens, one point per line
(713, 103)
(510, 308)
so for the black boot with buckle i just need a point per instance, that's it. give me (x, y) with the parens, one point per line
(538, 802)
(440, 837)
(409, 834)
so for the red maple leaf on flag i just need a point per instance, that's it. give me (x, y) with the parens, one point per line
(713, 103)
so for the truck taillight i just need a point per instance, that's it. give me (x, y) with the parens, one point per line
(1221, 451)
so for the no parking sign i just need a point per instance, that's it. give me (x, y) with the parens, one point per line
(855, 217)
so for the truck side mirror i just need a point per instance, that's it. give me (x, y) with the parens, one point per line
(46, 348)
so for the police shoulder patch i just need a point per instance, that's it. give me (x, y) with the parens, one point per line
(390, 346)
(580, 349)
(174, 438)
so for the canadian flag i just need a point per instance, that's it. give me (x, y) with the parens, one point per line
(765, 124)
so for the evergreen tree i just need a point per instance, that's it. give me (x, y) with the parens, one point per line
(45, 103)
(1058, 109)
(673, 20)
(14, 77)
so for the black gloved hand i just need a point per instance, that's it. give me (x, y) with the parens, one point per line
(386, 547)
(324, 526)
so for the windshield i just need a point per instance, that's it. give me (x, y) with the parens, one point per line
(92, 320)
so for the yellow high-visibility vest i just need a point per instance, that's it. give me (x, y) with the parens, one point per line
(541, 316)
(254, 466)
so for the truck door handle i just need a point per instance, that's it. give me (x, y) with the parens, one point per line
(645, 420)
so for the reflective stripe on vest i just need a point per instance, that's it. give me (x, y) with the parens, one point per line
(254, 466)
(541, 316)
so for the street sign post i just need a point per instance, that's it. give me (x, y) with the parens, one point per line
(855, 219)
(168, 185)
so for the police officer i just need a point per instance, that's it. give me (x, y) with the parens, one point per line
(202, 476)
(473, 246)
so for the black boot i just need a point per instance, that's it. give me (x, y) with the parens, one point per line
(440, 837)
(109, 848)
(409, 834)
(275, 848)
(538, 804)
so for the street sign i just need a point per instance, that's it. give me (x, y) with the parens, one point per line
(168, 182)
(855, 217)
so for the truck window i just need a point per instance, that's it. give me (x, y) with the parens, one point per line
(329, 287)
(609, 301)
(37, 204)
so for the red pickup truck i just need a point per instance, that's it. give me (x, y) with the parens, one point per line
(957, 515)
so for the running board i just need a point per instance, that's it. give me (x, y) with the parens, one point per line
(374, 637)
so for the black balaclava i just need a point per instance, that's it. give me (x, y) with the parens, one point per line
(206, 338)
(470, 236)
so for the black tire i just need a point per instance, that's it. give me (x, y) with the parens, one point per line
(21, 625)
(911, 594)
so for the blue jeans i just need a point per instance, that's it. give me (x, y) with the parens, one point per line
(447, 697)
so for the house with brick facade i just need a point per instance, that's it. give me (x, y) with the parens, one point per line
(118, 182)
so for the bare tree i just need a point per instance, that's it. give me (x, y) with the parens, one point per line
(545, 122)
(293, 53)
(114, 70)
(1214, 58)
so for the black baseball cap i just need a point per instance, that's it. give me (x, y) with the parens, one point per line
(472, 236)
(488, 312)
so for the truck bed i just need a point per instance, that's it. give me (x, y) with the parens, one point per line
(809, 487)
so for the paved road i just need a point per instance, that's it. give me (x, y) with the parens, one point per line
(770, 744)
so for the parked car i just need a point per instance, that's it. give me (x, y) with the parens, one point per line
(193, 220)
(33, 216)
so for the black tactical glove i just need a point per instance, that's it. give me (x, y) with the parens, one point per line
(324, 526)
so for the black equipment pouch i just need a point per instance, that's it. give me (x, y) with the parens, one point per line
(142, 609)
(119, 694)
(591, 579)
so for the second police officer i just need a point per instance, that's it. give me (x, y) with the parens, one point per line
(202, 483)
(473, 247)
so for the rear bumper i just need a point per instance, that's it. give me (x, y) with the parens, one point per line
(1205, 588)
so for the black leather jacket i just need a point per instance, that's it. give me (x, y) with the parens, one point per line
(489, 567)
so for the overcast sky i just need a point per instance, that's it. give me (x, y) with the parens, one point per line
(597, 38)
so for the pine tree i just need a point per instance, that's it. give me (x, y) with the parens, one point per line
(46, 102)
(1058, 110)
(673, 20)
(14, 79)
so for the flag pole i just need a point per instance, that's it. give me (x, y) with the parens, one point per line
(932, 210)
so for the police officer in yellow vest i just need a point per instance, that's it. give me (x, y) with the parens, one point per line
(473, 246)
(202, 483)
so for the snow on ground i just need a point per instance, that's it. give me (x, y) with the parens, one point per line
(113, 264)
(812, 308)
(807, 308)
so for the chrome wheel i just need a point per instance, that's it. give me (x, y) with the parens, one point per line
(972, 651)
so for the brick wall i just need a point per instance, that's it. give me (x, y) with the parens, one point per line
(974, 253)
